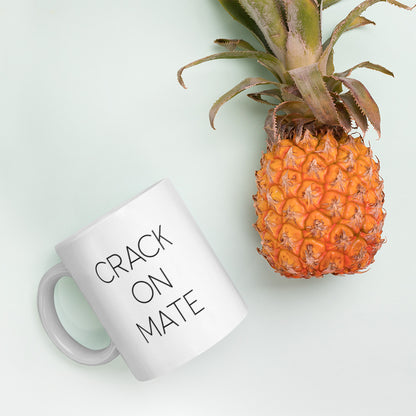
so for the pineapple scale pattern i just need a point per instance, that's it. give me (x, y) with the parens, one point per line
(319, 205)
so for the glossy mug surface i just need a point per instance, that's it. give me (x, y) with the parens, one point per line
(153, 281)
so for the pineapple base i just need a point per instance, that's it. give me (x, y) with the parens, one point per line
(319, 204)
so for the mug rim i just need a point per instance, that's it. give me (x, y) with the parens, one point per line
(109, 214)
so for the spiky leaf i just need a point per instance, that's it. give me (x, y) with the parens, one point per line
(267, 16)
(295, 107)
(355, 23)
(364, 100)
(291, 93)
(346, 23)
(354, 111)
(273, 93)
(358, 22)
(236, 10)
(330, 68)
(311, 85)
(365, 64)
(343, 116)
(335, 85)
(240, 87)
(235, 44)
(329, 3)
(267, 60)
(304, 33)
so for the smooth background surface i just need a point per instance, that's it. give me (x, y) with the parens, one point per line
(91, 114)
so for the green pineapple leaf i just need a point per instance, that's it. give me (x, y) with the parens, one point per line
(240, 87)
(273, 93)
(346, 23)
(266, 59)
(291, 93)
(268, 16)
(329, 3)
(311, 85)
(354, 111)
(364, 100)
(236, 10)
(330, 67)
(304, 33)
(357, 22)
(235, 44)
(333, 85)
(343, 116)
(365, 64)
(295, 107)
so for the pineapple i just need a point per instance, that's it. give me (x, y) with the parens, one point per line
(319, 200)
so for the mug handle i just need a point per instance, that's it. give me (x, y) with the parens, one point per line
(56, 332)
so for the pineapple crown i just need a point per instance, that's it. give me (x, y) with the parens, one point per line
(306, 91)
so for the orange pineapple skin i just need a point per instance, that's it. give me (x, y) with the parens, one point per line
(319, 205)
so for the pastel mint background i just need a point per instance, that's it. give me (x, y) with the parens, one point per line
(91, 114)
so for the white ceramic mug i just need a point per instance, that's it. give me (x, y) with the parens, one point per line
(153, 281)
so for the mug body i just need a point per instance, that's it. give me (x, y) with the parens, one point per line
(154, 282)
